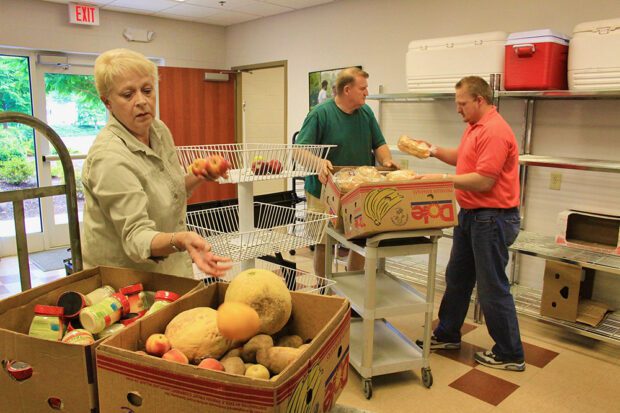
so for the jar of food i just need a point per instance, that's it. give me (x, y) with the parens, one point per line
(162, 299)
(107, 312)
(110, 330)
(130, 318)
(135, 295)
(72, 302)
(99, 294)
(78, 336)
(47, 322)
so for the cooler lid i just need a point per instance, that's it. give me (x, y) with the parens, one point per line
(537, 36)
(477, 39)
(598, 26)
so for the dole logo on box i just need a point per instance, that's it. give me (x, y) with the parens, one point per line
(427, 210)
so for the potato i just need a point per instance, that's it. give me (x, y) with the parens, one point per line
(289, 341)
(257, 371)
(248, 354)
(276, 359)
(235, 352)
(234, 365)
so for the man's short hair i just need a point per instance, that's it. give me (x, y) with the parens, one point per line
(476, 86)
(347, 76)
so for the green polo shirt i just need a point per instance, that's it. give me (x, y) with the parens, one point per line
(355, 135)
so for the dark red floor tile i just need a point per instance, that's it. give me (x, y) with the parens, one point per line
(538, 356)
(464, 330)
(484, 386)
(464, 355)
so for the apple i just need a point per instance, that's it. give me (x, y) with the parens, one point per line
(216, 166)
(157, 345)
(175, 355)
(275, 166)
(198, 167)
(211, 364)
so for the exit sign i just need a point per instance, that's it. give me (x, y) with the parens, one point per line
(83, 14)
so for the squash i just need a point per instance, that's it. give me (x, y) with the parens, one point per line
(237, 321)
(266, 293)
(194, 332)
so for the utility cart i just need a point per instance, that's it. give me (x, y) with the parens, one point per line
(377, 347)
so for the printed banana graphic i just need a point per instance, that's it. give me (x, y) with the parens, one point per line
(299, 402)
(379, 202)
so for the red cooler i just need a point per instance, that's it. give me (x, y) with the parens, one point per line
(536, 60)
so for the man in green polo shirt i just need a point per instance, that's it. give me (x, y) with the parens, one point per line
(345, 121)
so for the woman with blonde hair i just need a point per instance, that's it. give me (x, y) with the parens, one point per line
(135, 188)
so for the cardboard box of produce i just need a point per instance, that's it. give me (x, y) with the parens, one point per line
(332, 195)
(311, 383)
(63, 375)
(589, 230)
(373, 208)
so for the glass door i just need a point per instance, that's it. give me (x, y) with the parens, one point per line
(75, 112)
(65, 98)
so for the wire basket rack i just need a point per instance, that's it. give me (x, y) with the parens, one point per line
(252, 162)
(276, 229)
(295, 279)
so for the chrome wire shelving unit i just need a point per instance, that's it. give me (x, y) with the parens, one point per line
(528, 242)
(295, 279)
(251, 162)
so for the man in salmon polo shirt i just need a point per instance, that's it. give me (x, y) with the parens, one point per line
(487, 190)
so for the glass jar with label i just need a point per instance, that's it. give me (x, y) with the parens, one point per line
(47, 322)
(99, 295)
(162, 299)
(78, 336)
(108, 331)
(135, 295)
(107, 312)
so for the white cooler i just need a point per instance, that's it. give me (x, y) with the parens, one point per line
(435, 65)
(594, 57)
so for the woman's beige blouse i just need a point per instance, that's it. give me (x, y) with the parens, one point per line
(132, 193)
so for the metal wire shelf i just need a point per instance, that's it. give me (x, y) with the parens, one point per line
(276, 229)
(252, 162)
(296, 280)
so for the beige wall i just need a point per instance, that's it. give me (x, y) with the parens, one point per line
(376, 34)
(41, 25)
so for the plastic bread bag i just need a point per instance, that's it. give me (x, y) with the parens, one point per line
(413, 147)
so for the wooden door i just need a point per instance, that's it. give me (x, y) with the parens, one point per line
(198, 113)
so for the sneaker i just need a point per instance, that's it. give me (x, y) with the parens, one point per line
(436, 344)
(489, 359)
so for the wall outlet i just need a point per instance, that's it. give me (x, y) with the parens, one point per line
(555, 182)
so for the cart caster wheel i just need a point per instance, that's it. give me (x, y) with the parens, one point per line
(427, 378)
(367, 389)
(292, 252)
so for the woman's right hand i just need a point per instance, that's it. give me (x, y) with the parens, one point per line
(200, 250)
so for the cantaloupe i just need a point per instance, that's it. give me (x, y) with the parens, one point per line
(266, 293)
(195, 333)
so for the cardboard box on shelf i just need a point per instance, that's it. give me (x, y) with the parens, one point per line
(589, 230)
(63, 374)
(312, 383)
(373, 208)
(566, 292)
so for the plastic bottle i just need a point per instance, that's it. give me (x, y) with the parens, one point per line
(99, 295)
(135, 295)
(78, 336)
(47, 322)
(162, 299)
(107, 312)
(72, 302)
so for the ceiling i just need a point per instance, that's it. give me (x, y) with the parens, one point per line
(217, 12)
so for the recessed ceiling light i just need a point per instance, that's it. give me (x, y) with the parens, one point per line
(180, 1)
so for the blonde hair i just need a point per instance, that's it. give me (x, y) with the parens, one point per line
(347, 76)
(115, 63)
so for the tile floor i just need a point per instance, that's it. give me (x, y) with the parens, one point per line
(564, 372)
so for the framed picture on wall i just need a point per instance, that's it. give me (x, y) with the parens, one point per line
(322, 85)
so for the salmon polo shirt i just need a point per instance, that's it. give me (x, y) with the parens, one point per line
(489, 148)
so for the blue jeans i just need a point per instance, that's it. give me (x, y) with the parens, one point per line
(479, 256)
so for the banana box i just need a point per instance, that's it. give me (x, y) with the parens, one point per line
(384, 207)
